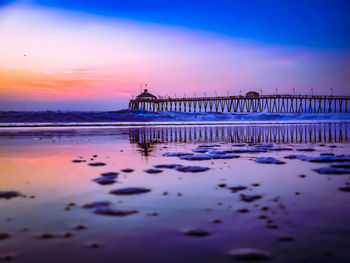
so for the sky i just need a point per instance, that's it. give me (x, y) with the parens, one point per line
(96, 55)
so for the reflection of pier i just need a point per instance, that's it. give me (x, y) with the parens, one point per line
(257, 103)
(286, 133)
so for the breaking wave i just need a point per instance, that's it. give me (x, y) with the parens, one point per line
(133, 117)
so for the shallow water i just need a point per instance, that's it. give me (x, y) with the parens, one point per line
(311, 209)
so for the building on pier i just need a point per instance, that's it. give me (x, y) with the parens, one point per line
(145, 96)
(252, 95)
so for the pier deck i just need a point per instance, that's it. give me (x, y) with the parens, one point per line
(263, 103)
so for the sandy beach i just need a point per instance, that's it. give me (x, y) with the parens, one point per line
(155, 207)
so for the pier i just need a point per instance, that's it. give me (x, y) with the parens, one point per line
(251, 102)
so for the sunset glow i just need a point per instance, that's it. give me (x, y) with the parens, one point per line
(55, 58)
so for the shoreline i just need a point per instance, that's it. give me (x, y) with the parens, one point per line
(156, 124)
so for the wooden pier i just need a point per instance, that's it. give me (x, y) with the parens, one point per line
(259, 103)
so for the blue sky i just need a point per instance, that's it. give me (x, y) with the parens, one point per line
(314, 23)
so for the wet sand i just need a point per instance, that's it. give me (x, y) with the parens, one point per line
(155, 207)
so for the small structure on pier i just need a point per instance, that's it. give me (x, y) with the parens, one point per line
(145, 96)
(252, 95)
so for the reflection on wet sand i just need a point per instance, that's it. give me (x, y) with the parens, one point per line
(147, 137)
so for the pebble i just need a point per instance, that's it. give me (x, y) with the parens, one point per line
(110, 175)
(103, 210)
(243, 210)
(280, 149)
(202, 150)
(329, 159)
(94, 245)
(78, 161)
(332, 170)
(249, 254)
(68, 235)
(4, 236)
(291, 157)
(235, 189)
(305, 150)
(97, 164)
(198, 233)
(104, 180)
(341, 165)
(192, 169)
(9, 194)
(239, 145)
(80, 227)
(344, 189)
(47, 236)
(328, 253)
(325, 158)
(96, 204)
(299, 157)
(153, 171)
(286, 239)
(127, 170)
(250, 198)
(130, 191)
(8, 257)
(168, 166)
(268, 160)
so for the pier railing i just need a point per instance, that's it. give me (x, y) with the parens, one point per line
(263, 103)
